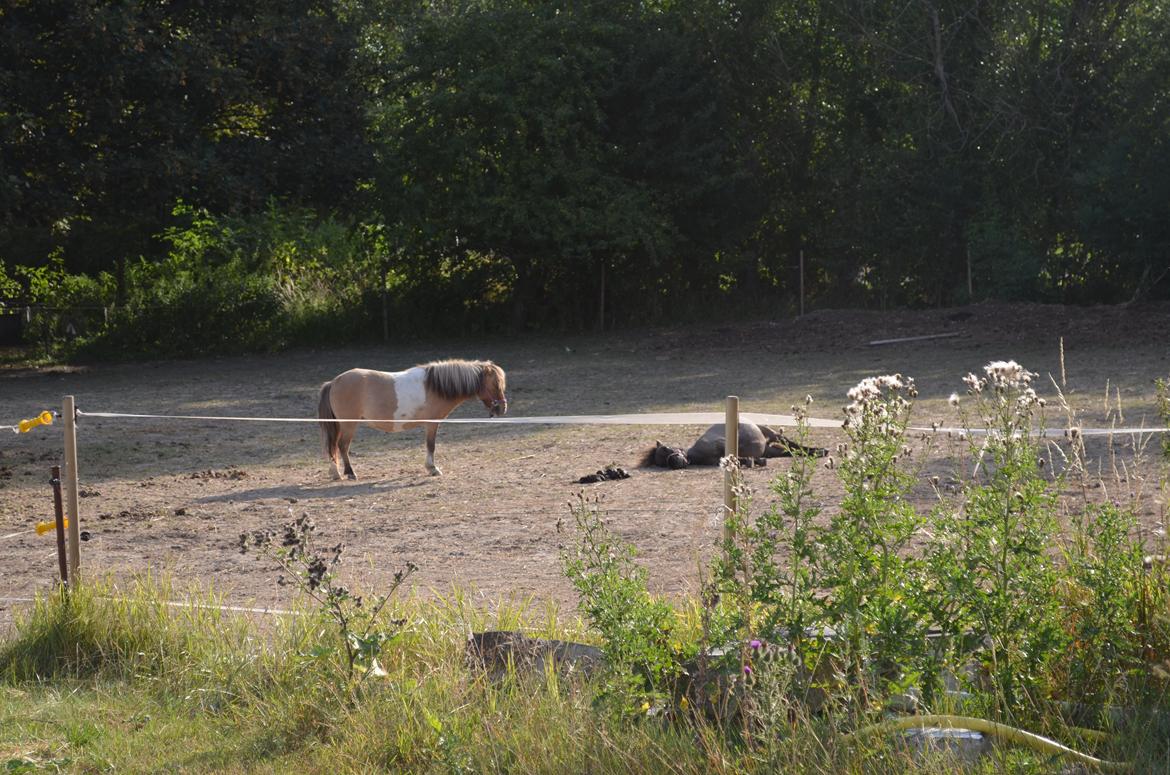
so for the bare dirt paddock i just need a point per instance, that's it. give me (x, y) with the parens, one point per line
(172, 497)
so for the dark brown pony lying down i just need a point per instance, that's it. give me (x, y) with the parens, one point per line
(756, 443)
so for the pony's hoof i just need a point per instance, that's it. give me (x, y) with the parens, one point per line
(435, 471)
(351, 476)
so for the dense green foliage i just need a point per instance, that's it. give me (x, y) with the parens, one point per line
(981, 606)
(499, 164)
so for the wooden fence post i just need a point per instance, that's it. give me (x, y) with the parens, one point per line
(59, 515)
(802, 282)
(73, 547)
(731, 450)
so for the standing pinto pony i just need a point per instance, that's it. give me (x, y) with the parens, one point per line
(396, 400)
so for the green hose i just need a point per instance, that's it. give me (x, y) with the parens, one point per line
(1036, 742)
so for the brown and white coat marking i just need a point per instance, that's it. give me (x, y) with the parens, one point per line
(397, 400)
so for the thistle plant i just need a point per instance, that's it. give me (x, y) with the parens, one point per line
(865, 564)
(767, 575)
(362, 632)
(994, 563)
(638, 630)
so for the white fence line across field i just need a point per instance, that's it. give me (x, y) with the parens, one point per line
(648, 418)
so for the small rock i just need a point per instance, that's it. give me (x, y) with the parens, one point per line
(497, 651)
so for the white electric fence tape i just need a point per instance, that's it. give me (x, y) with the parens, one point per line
(652, 418)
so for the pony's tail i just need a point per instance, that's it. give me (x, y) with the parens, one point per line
(329, 430)
(647, 460)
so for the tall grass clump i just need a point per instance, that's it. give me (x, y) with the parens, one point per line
(101, 629)
(116, 680)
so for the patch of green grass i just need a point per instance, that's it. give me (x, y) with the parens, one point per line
(114, 680)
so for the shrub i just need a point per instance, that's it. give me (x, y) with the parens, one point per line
(641, 633)
(64, 307)
(245, 284)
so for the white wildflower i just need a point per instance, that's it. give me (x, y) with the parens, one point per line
(876, 400)
(1008, 374)
(1027, 399)
(954, 399)
(866, 390)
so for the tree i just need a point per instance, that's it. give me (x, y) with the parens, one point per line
(114, 110)
(580, 149)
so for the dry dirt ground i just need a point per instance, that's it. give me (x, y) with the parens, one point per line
(173, 496)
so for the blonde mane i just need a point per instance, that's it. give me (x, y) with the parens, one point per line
(454, 379)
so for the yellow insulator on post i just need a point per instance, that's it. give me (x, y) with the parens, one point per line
(44, 527)
(44, 418)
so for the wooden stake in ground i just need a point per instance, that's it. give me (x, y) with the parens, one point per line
(802, 282)
(59, 514)
(731, 450)
(69, 415)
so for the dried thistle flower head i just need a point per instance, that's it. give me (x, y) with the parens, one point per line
(1008, 374)
(878, 400)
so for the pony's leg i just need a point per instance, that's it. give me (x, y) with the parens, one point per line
(432, 430)
(344, 437)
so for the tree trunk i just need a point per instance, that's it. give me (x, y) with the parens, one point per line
(601, 299)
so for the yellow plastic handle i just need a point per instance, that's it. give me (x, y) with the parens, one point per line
(44, 418)
(44, 527)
